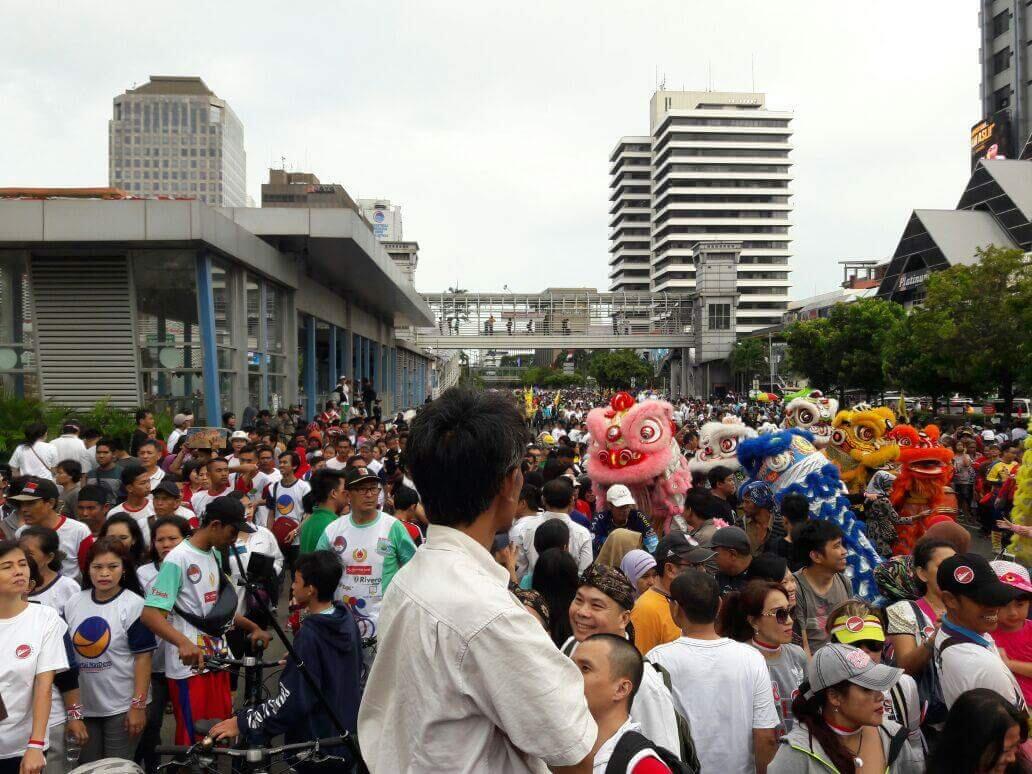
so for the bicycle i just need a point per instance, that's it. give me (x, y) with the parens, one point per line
(203, 757)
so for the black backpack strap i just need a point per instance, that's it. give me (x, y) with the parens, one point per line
(896, 746)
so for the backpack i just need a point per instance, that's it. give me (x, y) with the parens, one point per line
(689, 758)
(632, 743)
(928, 686)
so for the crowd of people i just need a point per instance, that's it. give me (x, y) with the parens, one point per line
(467, 600)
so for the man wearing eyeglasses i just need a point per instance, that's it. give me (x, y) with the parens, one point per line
(371, 546)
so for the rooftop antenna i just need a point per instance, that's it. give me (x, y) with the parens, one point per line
(283, 163)
(752, 67)
(709, 75)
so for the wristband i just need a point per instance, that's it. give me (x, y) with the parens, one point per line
(35, 744)
(138, 702)
(75, 712)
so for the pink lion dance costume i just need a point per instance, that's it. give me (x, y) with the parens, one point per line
(633, 444)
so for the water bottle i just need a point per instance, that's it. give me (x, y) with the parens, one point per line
(72, 749)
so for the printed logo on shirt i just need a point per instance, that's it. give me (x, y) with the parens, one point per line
(193, 573)
(340, 544)
(963, 575)
(23, 651)
(928, 631)
(210, 596)
(383, 545)
(285, 504)
(92, 637)
(359, 569)
(355, 602)
(359, 554)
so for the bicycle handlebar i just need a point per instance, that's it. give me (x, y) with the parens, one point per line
(207, 747)
(249, 662)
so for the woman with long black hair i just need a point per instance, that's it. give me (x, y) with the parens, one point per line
(34, 456)
(555, 579)
(983, 735)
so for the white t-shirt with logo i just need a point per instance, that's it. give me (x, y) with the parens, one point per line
(371, 554)
(188, 578)
(75, 540)
(146, 573)
(258, 494)
(31, 643)
(200, 500)
(142, 516)
(724, 690)
(106, 638)
(287, 502)
(334, 464)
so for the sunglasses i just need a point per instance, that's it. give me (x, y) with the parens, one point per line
(782, 615)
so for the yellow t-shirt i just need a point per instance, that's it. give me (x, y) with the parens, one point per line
(653, 624)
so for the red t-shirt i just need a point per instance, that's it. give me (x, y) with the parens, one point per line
(1018, 646)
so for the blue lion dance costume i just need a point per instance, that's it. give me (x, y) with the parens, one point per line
(788, 462)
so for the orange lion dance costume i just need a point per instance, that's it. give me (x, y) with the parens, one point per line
(921, 488)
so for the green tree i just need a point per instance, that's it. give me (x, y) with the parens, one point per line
(989, 306)
(749, 359)
(808, 352)
(916, 356)
(844, 350)
(619, 369)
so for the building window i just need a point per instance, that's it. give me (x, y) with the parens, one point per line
(17, 343)
(1001, 23)
(1001, 98)
(719, 317)
(1001, 61)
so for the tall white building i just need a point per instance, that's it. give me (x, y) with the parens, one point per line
(384, 217)
(173, 136)
(715, 168)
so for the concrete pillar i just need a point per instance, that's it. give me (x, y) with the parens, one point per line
(310, 368)
(331, 357)
(209, 353)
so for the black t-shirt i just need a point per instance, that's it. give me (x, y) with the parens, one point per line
(786, 550)
(719, 508)
(368, 395)
(729, 583)
(139, 436)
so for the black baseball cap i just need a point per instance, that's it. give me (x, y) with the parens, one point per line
(228, 510)
(970, 575)
(733, 538)
(357, 474)
(37, 489)
(166, 487)
(678, 545)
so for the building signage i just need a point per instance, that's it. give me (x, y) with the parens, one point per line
(912, 279)
(990, 138)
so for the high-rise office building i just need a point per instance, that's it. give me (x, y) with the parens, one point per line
(174, 137)
(1006, 88)
(714, 168)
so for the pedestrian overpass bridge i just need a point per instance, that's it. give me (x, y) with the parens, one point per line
(558, 319)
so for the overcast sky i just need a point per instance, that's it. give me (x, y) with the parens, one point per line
(491, 123)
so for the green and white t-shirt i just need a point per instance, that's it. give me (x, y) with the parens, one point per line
(189, 578)
(106, 638)
(371, 554)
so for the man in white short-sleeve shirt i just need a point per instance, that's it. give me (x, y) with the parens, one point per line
(721, 686)
(558, 497)
(504, 697)
(965, 653)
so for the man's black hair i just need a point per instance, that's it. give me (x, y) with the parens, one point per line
(405, 497)
(557, 493)
(552, 533)
(112, 443)
(795, 508)
(566, 452)
(813, 536)
(697, 594)
(294, 458)
(141, 414)
(94, 493)
(718, 474)
(460, 449)
(148, 442)
(89, 434)
(696, 500)
(131, 472)
(624, 661)
(73, 468)
(321, 569)
(325, 482)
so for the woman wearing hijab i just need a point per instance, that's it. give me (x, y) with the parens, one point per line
(640, 568)
(763, 522)
(882, 518)
(617, 545)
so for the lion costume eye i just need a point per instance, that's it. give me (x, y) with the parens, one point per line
(805, 416)
(650, 431)
(865, 433)
(838, 437)
(780, 462)
(728, 445)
